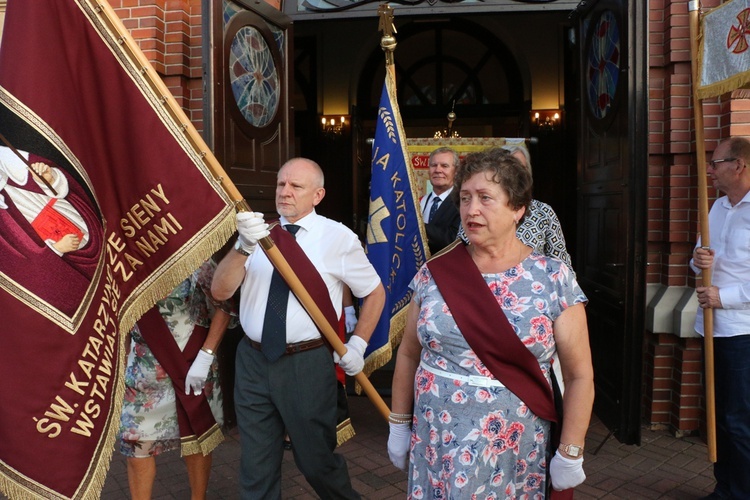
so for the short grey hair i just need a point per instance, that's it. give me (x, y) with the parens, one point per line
(512, 148)
(446, 149)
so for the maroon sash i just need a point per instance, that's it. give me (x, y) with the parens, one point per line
(489, 334)
(193, 412)
(306, 272)
(312, 282)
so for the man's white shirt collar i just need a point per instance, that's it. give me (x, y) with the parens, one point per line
(306, 222)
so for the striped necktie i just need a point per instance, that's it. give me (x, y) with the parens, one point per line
(433, 208)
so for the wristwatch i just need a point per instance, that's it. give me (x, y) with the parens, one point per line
(238, 248)
(572, 450)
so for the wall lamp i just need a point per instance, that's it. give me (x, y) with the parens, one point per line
(333, 125)
(547, 119)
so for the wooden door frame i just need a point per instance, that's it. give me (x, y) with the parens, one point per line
(633, 304)
(210, 24)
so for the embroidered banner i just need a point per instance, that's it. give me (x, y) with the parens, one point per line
(395, 234)
(112, 228)
(724, 54)
(419, 154)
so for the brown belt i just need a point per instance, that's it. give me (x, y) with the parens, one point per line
(293, 348)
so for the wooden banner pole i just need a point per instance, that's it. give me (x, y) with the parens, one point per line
(700, 147)
(109, 16)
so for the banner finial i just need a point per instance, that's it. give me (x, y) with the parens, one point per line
(388, 41)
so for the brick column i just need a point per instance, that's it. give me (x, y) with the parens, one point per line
(169, 34)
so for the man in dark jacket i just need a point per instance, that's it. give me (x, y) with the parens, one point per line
(440, 214)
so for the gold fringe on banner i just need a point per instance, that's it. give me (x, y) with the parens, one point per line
(383, 355)
(211, 439)
(180, 266)
(379, 358)
(741, 80)
(98, 476)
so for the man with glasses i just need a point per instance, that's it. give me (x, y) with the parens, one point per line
(729, 297)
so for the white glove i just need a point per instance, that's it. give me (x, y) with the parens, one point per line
(354, 360)
(196, 377)
(566, 472)
(252, 228)
(351, 319)
(399, 442)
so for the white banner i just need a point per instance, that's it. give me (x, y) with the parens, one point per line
(724, 57)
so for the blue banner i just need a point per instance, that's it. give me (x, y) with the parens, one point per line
(395, 232)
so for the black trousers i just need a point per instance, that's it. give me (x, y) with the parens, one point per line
(296, 394)
(732, 376)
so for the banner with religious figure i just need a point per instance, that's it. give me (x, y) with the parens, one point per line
(98, 220)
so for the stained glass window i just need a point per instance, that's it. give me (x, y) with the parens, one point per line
(253, 76)
(603, 65)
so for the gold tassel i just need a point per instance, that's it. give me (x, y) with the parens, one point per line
(211, 439)
(204, 444)
(344, 432)
(189, 445)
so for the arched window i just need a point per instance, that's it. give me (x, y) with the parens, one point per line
(449, 62)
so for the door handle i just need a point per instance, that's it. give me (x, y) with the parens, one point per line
(614, 264)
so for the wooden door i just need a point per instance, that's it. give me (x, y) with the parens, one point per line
(247, 120)
(611, 207)
(247, 116)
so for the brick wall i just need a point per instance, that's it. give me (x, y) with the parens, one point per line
(674, 377)
(169, 34)
(673, 366)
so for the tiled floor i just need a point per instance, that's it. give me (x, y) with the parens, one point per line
(662, 467)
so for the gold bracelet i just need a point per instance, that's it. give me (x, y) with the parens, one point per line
(207, 351)
(395, 421)
(401, 415)
(400, 418)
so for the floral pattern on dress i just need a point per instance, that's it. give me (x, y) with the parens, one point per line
(473, 442)
(148, 423)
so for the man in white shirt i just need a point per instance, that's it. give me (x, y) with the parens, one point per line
(296, 390)
(729, 297)
(439, 212)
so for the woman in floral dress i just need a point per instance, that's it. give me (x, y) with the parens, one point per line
(148, 424)
(540, 228)
(459, 430)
